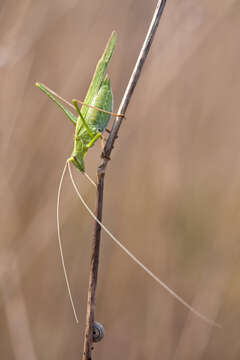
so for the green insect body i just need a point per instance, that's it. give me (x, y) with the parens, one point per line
(91, 122)
(96, 122)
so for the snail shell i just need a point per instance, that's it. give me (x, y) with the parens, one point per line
(98, 331)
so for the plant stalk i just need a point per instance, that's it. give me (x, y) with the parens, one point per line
(93, 275)
(87, 353)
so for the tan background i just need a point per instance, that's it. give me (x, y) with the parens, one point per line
(172, 191)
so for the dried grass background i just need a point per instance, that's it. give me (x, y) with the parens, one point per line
(172, 190)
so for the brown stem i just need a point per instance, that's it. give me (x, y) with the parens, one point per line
(87, 349)
(101, 172)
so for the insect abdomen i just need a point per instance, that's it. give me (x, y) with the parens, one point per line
(103, 100)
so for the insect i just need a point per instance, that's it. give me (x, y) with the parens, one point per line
(95, 114)
(91, 122)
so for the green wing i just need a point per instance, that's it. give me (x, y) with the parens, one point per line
(95, 83)
(99, 72)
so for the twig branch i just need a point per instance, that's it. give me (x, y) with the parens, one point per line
(101, 172)
(88, 339)
(133, 80)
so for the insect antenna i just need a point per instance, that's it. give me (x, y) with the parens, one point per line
(138, 262)
(89, 179)
(60, 244)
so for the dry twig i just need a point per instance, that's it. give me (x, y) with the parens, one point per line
(101, 173)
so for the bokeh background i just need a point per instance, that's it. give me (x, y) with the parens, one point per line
(172, 189)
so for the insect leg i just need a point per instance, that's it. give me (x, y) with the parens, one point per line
(82, 118)
(94, 139)
(50, 93)
(99, 109)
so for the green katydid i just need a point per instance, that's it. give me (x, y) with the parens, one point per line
(91, 122)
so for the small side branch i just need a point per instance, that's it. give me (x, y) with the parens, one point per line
(101, 172)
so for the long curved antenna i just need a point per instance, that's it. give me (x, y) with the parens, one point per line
(60, 244)
(89, 179)
(138, 262)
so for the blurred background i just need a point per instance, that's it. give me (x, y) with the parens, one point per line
(172, 189)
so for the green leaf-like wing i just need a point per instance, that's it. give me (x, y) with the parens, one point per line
(99, 72)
